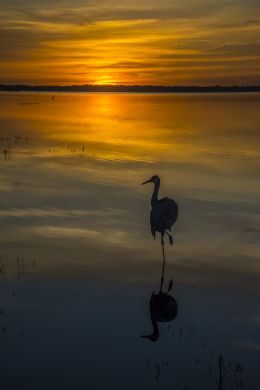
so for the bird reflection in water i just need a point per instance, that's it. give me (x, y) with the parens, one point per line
(163, 308)
(163, 215)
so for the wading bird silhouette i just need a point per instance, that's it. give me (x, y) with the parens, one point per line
(164, 212)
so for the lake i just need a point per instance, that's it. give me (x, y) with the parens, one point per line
(78, 261)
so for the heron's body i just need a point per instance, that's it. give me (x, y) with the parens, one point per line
(163, 216)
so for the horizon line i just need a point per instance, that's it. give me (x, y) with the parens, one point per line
(131, 85)
(127, 88)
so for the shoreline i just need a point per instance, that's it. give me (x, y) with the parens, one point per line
(129, 89)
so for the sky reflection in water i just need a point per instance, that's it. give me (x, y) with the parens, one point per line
(72, 207)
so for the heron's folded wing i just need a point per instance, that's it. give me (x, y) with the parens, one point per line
(163, 215)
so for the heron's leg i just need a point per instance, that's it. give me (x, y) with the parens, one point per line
(162, 240)
(162, 277)
(170, 237)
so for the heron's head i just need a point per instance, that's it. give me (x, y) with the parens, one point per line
(154, 179)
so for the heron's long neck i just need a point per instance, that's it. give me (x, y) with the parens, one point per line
(154, 199)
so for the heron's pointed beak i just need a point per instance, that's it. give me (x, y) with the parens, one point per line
(150, 337)
(145, 182)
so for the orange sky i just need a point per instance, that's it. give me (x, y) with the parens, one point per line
(139, 42)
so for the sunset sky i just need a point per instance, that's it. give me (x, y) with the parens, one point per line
(165, 42)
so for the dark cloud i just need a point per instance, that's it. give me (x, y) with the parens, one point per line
(238, 48)
(252, 22)
(81, 13)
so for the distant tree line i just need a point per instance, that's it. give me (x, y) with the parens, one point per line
(127, 88)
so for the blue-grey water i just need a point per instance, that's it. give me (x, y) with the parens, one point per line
(78, 262)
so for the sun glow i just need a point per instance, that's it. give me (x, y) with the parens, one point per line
(104, 80)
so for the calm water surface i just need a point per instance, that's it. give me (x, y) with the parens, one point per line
(78, 263)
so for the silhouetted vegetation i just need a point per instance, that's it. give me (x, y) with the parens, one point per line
(129, 88)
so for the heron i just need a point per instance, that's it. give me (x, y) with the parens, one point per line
(164, 212)
(163, 215)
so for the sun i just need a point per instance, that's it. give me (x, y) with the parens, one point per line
(104, 80)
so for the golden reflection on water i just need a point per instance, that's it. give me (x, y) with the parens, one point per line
(160, 127)
(200, 139)
(205, 148)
